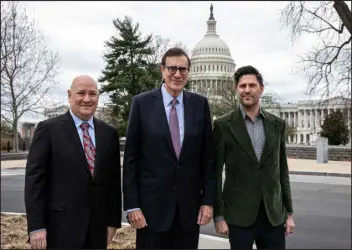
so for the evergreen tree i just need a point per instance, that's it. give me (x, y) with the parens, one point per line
(335, 128)
(127, 71)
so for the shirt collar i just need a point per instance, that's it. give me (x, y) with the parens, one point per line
(243, 112)
(167, 98)
(78, 121)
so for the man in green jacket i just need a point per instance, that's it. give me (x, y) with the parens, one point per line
(254, 204)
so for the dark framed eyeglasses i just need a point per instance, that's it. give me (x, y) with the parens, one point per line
(173, 70)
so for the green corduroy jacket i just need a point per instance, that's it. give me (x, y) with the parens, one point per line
(247, 180)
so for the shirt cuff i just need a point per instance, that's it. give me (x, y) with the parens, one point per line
(218, 218)
(132, 209)
(42, 229)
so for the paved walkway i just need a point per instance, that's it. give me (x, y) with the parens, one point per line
(296, 166)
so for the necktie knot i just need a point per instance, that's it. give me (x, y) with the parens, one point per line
(174, 101)
(84, 126)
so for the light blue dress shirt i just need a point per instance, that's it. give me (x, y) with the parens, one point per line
(167, 98)
(91, 133)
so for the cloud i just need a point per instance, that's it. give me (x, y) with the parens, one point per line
(251, 29)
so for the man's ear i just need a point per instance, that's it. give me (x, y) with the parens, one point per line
(69, 94)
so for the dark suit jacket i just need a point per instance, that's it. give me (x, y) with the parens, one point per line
(248, 181)
(60, 193)
(153, 178)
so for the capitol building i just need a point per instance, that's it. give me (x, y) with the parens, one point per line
(212, 66)
(212, 70)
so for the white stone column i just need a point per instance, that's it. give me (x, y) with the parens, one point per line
(289, 118)
(299, 117)
(305, 119)
(317, 125)
(294, 119)
(311, 120)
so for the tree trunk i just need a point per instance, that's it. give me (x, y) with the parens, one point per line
(344, 13)
(15, 136)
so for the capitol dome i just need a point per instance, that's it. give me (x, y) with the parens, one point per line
(212, 66)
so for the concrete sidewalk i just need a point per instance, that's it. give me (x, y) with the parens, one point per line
(296, 166)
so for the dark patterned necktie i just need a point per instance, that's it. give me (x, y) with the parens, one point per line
(88, 147)
(174, 128)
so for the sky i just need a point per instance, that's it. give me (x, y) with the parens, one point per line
(78, 30)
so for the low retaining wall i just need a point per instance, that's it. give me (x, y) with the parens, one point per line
(336, 153)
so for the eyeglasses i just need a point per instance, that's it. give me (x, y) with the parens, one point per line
(173, 70)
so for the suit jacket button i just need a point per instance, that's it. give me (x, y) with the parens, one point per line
(175, 188)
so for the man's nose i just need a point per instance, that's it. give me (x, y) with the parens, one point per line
(177, 74)
(86, 98)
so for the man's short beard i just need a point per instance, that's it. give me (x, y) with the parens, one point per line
(249, 105)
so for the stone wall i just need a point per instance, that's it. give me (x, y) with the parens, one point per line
(336, 153)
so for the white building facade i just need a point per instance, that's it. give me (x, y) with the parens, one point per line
(308, 116)
(212, 66)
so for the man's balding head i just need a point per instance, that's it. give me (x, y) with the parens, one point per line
(83, 96)
(77, 81)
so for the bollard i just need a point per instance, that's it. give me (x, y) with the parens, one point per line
(322, 150)
(8, 146)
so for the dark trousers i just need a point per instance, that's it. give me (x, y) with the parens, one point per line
(174, 238)
(94, 242)
(262, 232)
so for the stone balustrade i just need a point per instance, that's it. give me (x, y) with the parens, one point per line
(336, 153)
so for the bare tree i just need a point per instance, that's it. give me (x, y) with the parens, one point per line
(328, 64)
(182, 46)
(159, 46)
(28, 68)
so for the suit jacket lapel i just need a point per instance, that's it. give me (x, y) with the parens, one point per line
(240, 133)
(271, 134)
(99, 144)
(158, 107)
(188, 119)
(69, 127)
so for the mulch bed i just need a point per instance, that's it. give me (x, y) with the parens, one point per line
(14, 234)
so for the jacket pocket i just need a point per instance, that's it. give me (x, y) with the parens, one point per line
(57, 206)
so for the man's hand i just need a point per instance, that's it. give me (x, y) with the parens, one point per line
(290, 225)
(111, 234)
(38, 240)
(136, 219)
(205, 214)
(222, 227)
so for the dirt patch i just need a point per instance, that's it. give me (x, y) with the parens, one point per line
(14, 234)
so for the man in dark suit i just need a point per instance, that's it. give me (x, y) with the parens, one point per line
(168, 171)
(255, 203)
(73, 176)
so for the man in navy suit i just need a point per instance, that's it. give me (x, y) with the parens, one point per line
(168, 172)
